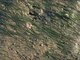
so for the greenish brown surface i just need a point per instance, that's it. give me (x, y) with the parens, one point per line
(39, 30)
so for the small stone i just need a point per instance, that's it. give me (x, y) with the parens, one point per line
(41, 12)
(41, 45)
(28, 25)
